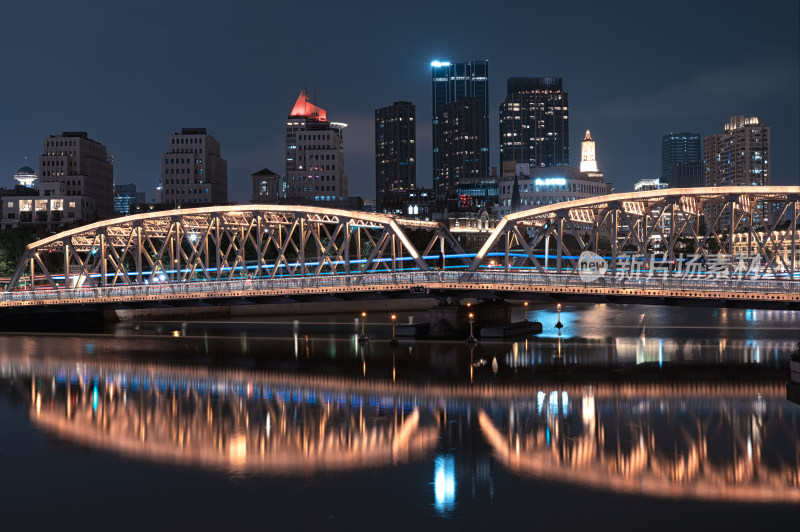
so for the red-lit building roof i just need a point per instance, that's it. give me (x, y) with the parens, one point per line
(302, 107)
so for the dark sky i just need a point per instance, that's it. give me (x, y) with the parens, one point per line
(132, 73)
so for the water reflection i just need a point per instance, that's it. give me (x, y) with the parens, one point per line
(697, 440)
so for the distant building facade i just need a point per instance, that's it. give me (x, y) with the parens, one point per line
(266, 187)
(193, 170)
(679, 148)
(395, 150)
(538, 186)
(124, 197)
(644, 185)
(451, 83)
(739, 156)
(534, 123)
(75, 165)
(314, 156)
(75, 184)
(459, 142)
(686, 175)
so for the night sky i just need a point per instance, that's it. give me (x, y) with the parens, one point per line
(131, 74)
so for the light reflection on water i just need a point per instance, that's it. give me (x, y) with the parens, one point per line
(708, 441)
(294, 403)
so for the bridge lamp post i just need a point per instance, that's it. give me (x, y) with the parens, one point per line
(526, 310)
(471, 318)
(363, 336)
(393, 341)
(559, 325)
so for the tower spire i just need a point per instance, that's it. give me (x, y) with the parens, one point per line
(588, 161)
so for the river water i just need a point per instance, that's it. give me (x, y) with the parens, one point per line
(636, 417)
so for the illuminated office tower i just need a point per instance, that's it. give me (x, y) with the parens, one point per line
(534, 123)
(395, 151)
(679, 148)
(314, 155)
(453, 82)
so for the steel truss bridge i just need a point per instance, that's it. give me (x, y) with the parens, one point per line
(743, 243)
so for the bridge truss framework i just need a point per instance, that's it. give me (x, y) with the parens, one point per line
(193, 253)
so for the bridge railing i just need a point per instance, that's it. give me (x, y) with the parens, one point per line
(482, 280)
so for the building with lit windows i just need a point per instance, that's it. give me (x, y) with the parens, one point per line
(314, 155)
(679, 148)
(395, 150)
(124, 197)
(193, 170)
(266, 187)
(546, 186)
(644, 185)
(76, 177)
(739, 156)
(459, 149)
(453, 82)
(534, 123)
(75, 165)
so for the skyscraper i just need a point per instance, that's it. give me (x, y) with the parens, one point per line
(458, 144)
(124, 197)
(75, 165)
(534, 122)
(314, 155)
(395, 150)
(453, 82)
(677, 148)
(739, 156)
(193, 170)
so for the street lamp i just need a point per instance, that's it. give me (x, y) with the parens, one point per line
(559, 325)
(471, 319)
(363, 336)
(526, 310)
(393, 341)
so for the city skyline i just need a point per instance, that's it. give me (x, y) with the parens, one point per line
(130, 102)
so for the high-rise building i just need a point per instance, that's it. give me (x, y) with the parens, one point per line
(124, 197)
(453, 82)
(314, 155)
(739, 156)
(458, 144)
(678, 148)
(75, 165)
(534, 123)
(686, 175)
(395, 150)
(193, 170)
